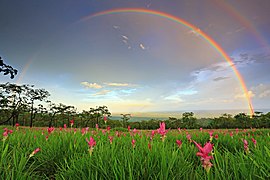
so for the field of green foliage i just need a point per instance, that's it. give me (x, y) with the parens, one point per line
(70, 153)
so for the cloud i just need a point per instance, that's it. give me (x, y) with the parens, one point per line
(125, 37)
(194, 32)
(243, 95)
(240, 29)
(220, 78)
(116, 27)
(142, 46)
(262, 90)
(91, 85)
(118, 84)
(102, 93)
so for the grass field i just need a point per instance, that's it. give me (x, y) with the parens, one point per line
(69, 153)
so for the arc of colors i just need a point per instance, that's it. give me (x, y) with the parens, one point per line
(211, 41)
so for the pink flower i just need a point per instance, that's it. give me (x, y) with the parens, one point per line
(246, 145)
(149, 146)
(216, 136)
(237, 130)
(128, 128)
(5, 133)
(34, 152)
(108, 128)
(179, 143)
(65, 126)
(133, 143)
(91, 143)
(162, 130)
(71, 122)
(97, 126)
(254, 141)
(153, 133)
(231, 134)
(204, 154)
(111, 139)
(50, 130)
(83, 131)
(189, 137)
(201, 129)
(134, 130)
(17, 124)
(105, 119)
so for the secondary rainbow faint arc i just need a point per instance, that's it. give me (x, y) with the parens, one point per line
(212, 42)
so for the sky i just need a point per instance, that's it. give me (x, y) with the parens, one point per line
(136, 62)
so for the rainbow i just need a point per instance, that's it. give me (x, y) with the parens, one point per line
(234, 13)
(211, 41)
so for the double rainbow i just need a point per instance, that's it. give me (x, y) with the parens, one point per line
(211, 41)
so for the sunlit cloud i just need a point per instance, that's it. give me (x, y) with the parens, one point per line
(194, 32)
(102, 93)
(243, 95)
(91, 85)
(142, 46)
(125, 37)
(118, 84)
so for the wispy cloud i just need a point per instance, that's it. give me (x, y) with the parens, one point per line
(101, 93)
(220, 78)
(194, 32)
(118, 84)
(125, 37)
(91, 85)
(142, 46)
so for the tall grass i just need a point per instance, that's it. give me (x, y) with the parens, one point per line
(65, 155)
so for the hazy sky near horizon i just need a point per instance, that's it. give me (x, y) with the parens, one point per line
(138, 62)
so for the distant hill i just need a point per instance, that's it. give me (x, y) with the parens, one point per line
(163, 115)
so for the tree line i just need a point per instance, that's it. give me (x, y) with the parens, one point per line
(30, 106)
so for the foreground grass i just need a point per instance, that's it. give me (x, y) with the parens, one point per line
(65, 155)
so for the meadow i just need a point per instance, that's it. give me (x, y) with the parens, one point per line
(87, 153)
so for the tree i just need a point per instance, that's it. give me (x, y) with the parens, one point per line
(243, 120)
(7, 69)
(56, 109)
(188, 119)
(36, 95)
(13, 99)
(125, 118)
